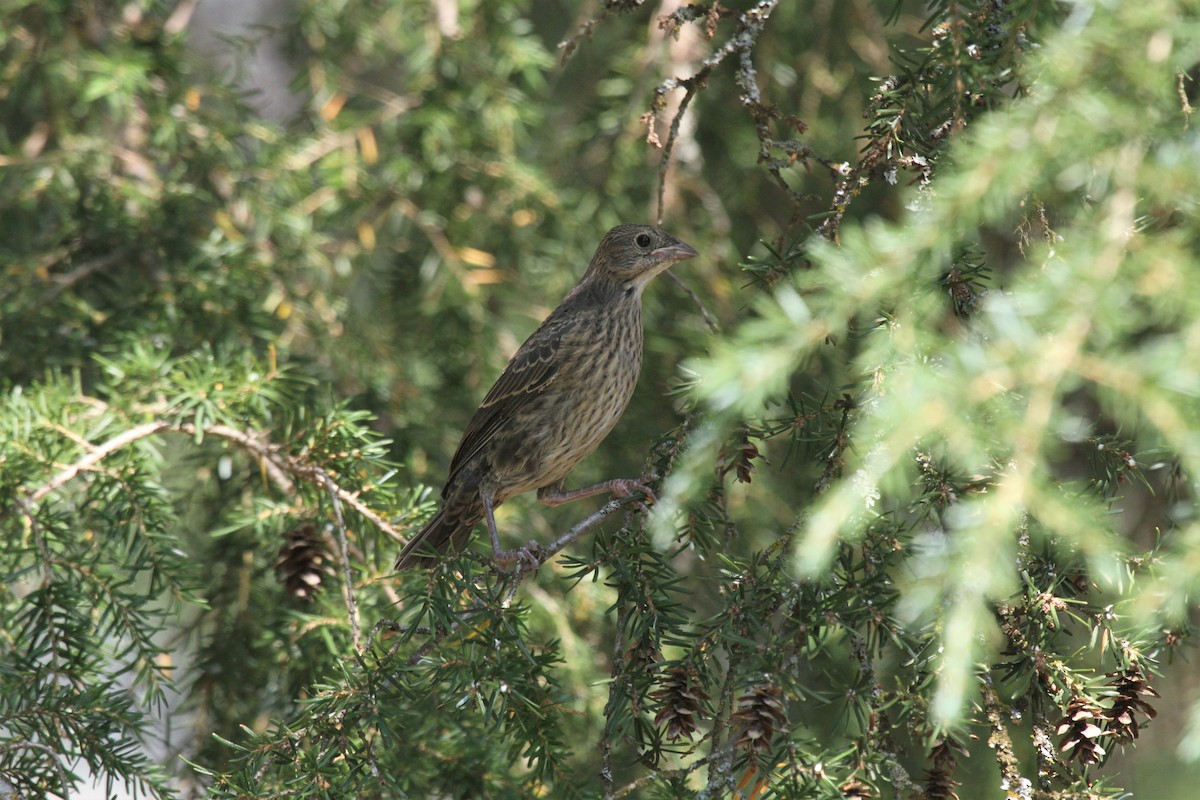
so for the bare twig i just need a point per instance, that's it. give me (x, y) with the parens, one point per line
(123, 439)
(543, 554)
(69, 279)
(277, 463)
(268, 454)
(1181, 79)
(577, 530)
(679, 772)
(274, 456)
(568, 45)
(351, 605)
(709, 319)
(690, 87)
(750, 27)
(618, 665)
(882, 729)
(998, 740)
(49, 752)
(721, 782)
(515, 580)
(394, 627)
(853, 181)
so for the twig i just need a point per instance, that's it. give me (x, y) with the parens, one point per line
(998, 740)
(886, 746)
(276, 462)
(53, 756)
(618, 665)
(268, 454)
(690, 85)
(351, 605)
(544, 554)
(515, 581)
(69, 279)
(394, 627)
(99, 454)
(720, 755)
(709, 320)
(577, 530)
(678, 772)
(750, 27)
(433, 642)
(1181, 79)
(835, 459)
(853, 180)
(569, 44)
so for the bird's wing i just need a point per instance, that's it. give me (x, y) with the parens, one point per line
(533, 368)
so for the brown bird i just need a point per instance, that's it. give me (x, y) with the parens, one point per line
(559, 396)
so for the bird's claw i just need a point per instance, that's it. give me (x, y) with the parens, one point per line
(527, 558)
(627, 488)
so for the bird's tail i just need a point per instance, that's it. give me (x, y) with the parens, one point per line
(450, 529)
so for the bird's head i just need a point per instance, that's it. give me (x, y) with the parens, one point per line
(633, 254)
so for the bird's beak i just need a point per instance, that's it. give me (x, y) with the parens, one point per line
(672, 253)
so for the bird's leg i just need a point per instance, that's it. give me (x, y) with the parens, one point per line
(490, 515)
(526, 555)
(619, 488)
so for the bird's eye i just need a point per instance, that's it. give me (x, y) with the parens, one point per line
(643, 240)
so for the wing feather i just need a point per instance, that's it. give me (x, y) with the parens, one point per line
(535, 367)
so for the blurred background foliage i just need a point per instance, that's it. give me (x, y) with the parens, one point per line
(927, 400)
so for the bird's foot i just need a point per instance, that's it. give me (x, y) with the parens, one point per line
(527, 558)
(625, 488)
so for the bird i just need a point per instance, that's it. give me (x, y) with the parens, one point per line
(558, 397)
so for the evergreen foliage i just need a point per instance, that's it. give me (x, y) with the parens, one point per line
(924, 422)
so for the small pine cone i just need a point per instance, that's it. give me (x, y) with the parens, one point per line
(738, 457)
(855, 789)
(643, 656)
(943, 758)
(1131, 686)
(683, 703)
(962, 293)
(1080, 733)
(939, 785)
(1077, 580)
(939, 778)
(945, 753)
(759, 712)
(303, 562)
